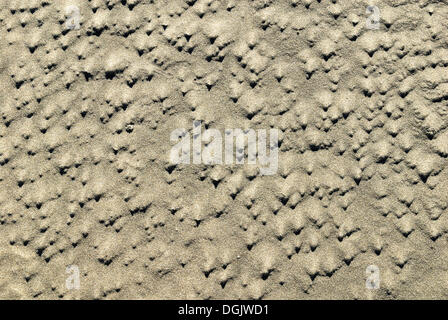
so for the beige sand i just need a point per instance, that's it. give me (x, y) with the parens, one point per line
(85, 178)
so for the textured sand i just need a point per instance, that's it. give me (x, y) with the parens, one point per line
(85, 122)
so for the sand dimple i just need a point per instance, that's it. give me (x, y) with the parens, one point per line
(85, 124)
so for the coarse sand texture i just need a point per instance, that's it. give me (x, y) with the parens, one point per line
(92, 207)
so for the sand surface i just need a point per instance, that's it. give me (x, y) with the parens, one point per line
(85, 178)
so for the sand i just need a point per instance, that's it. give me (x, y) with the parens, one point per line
(85, 177)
